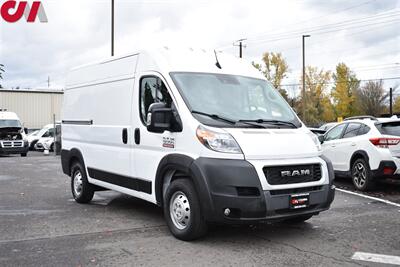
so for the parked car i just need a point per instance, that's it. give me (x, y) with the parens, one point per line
(13, 138)
(165, 126)
(45, 143)
(46, 131)
(365, 149)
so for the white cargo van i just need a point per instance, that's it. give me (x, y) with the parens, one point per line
(204, 136)
(13, 139)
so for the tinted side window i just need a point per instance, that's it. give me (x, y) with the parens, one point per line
(364, 130)
(352, 130)
(152, 90)
(335, 133)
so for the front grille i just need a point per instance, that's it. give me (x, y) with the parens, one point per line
(294, 174)
(11, 144)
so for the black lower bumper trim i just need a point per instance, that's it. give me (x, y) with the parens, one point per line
(379, 173)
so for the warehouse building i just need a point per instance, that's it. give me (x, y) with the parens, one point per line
(35, 108)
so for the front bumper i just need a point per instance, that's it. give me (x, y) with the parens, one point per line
(14, 150)
(235, 184)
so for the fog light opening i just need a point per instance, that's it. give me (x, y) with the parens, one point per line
(227, 212)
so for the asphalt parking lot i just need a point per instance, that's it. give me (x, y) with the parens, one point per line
(40, 225)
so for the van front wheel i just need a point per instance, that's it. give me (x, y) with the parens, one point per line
(82, 191)
(182, 211)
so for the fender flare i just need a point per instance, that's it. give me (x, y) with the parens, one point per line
(357, 153)
(67, 156)
(185, 164)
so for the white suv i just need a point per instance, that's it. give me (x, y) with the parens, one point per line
(364, 148)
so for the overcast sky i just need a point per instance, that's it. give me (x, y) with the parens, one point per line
(364, 34)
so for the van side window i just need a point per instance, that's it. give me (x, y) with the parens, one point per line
(152, 90)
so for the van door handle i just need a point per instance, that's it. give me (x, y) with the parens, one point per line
(125, 136)
(353, 144)
(333, 145)
(137, 136)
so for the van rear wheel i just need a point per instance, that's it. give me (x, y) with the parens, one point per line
(82, 191)
(182, 211)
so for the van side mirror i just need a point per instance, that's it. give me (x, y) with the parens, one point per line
(159, 118)
(321, 139)
(26, 130)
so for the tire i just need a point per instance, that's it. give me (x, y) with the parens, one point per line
(81, 190)
(361, 175)
(24, 154)
(51, 148)
(298, 219)
(32, 146)
(186, 222)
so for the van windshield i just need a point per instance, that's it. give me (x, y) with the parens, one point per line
(10, 124)
(222, 100)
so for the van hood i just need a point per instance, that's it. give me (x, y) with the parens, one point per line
(264, 144)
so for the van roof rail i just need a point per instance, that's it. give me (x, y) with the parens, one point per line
(364, 117)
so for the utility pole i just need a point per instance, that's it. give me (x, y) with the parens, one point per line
(112, 28)
(241, 46)
(391, 101)
(48, 82)
(304, 78)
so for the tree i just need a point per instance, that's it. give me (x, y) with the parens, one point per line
(318, 104)
(373, 98)
(275, 69)
(343, 93)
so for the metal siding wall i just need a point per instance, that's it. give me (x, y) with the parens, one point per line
(34, 109)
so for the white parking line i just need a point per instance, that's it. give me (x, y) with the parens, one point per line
(369, 197)
(378, 258)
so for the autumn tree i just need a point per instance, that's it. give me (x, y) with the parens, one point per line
(318, 104)
(275, 69)
(373, 98)
(344, 90)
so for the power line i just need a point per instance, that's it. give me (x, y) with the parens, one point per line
(319, 17)
(383, 15)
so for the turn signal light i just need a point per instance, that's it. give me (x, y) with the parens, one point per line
(384, 142)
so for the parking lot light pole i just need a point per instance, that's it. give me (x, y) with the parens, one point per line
(112, 28)
(304, 78)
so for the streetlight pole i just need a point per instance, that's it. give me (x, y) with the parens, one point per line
(304, 77)
(112, 28)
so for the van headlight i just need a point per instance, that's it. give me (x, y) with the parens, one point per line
(316, 141)
(220, 142)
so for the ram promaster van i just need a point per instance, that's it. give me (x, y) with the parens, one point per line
(12, 135)
(203, 135)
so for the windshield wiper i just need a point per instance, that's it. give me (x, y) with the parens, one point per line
(231, 121)
(214, 116)
(274, 122)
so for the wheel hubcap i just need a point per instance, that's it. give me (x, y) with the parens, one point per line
(359, 174)
(179, 209)
(78, 183)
